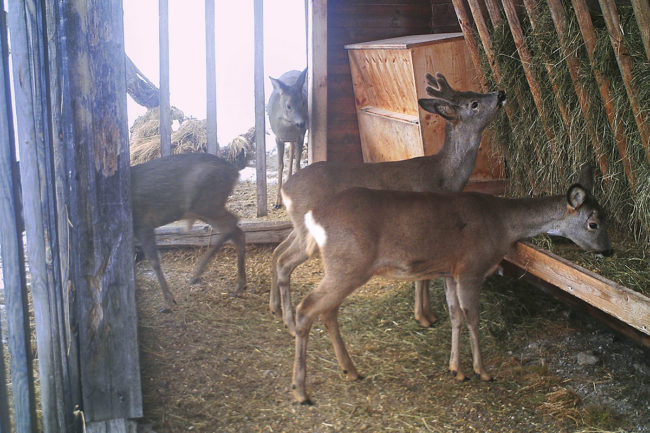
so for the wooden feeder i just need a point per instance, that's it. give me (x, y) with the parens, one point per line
(389, 76)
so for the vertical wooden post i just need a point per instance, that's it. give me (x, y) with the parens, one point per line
(557, 14)
(13, 264)
(642, 14)
(589, 36)
(211, 78)
(466, 26)
(100, 217)
(28, 38)
(317, 80)
(260, 121)
(163, 44)
(613, 24)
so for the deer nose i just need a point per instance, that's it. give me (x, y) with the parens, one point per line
(608, 253)
(300, 125)
(501, 97)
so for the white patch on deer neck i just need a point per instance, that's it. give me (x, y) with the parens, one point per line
(286, 201)
(315, 229)
(554, 232)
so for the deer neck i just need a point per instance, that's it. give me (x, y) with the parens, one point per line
(458, 154)
(529, 217)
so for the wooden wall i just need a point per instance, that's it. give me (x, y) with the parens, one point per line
(351, 21)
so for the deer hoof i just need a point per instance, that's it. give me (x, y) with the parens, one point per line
(165, 310)
(484, 377)
(307, 402)
(278, 206)
(459, 376)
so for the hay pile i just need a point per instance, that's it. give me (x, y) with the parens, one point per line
(191, 136)
(539, 166)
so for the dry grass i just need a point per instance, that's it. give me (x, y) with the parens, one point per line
(220, 363)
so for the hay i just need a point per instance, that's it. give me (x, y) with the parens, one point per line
(538, 166)
(191, 136)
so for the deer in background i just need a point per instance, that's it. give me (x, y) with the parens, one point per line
(287, 110)
(418, 235)
(466, 115)
(186, 186)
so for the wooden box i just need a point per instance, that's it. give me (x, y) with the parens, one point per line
(389, 76)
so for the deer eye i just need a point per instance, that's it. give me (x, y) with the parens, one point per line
(474, 105)
(593, 226)
(288, 106)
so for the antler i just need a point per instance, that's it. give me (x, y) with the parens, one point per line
(441, 88)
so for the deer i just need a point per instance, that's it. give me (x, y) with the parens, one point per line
(410, 235)
(466, 115)
(287, 110)
(186, 186)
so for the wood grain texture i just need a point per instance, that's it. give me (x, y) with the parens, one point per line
(264, 232)
(627, 305)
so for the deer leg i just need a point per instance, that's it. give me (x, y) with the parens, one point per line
(468, 296)
(148, 240)
(329, 294)
(342, 355)
(456, 317)
(287, 262)
(274, 295)
(292, 154)
(226, 223)
(298, 151)
(423, 313)
(280, 146)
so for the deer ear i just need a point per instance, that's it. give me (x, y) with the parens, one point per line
(576, 196)
(586, 179)
(278, 85)
(439, 106)
(301, 79)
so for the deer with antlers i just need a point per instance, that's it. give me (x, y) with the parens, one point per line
(466, 115)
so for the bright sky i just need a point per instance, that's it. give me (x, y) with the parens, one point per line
(284, 49)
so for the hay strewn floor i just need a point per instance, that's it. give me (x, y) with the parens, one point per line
(224, 364)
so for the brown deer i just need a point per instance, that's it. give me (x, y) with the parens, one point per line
(419, 235)
(187, 186)
(287, 110)
(466, 115)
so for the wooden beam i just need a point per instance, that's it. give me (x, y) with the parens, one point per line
(100, 215)
(626, 305)
(260, 120)
(559, 20)
(642, 14)
(494, 12)
(614, 29)
(163, 44)
(211, 78)
(317, 80)
(13, 266)
(257, 232)
(589, 36)
(465, 23)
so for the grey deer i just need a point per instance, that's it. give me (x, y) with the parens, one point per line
(466, 115)
(186, 186)
(287, 110)
(418, 235)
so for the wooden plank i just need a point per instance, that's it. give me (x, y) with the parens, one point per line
(260, 119)
(318, 98)
(614, 27)
(102, 271)
(642, 14)
(387, 139)
(257, 232)
(466, 26)
(404, 42)
(573, 63)
(627, 305)
(13, 266)
(163, 47)
(211, 78)
(589, 36)
(28, 38)
(112, 426)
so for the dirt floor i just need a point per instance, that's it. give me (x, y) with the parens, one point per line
(223, 364)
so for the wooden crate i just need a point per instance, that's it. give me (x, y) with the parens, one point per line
(388, 78)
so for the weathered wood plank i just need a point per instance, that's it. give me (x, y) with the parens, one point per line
(260, 120)
(629, 306)
(100, 215)
(176, 235)
(211, 77)
(13, 273)
(163, 47)
(466, 26)
(642, 14)
(317, 60)
(112, 426)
